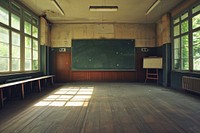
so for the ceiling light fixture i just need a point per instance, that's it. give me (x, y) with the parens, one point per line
(58, 6)
(103, 8)
(153, 6)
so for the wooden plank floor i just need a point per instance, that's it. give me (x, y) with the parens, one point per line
(103, 108)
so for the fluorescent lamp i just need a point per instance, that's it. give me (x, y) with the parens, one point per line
(103, 8)
(58, 6)
(152, 6)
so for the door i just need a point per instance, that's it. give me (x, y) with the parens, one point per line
(62, 67)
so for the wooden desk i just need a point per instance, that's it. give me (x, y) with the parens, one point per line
(22, 82)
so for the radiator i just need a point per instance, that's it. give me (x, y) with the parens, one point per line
(191, 83)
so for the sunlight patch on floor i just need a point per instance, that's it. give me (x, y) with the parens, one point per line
(68, 96)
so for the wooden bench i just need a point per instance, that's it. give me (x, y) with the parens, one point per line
(22, 82)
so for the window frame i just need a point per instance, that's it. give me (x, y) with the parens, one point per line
(179, 36)
(18, 9)
(190, 39)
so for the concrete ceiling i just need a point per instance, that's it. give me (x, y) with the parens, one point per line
(77, 11)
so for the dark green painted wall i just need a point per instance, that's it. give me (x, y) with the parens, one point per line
(176, 78)
(164, 51)
(44, 59)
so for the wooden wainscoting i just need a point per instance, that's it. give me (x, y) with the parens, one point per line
(103, 76)
(63, 72)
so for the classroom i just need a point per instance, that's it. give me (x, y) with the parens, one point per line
(99, 66)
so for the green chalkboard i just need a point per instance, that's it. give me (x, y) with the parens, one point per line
(103, 54)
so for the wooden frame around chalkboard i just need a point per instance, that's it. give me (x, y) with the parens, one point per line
(152, 62)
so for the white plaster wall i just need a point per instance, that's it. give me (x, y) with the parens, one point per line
(144, 34)
(44, 32)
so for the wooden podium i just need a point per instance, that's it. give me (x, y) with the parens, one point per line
(152, 64)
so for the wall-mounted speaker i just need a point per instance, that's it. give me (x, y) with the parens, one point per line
(145, 49)
(62, 49)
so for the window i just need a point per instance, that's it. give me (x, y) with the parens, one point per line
(31, 43)
(27, 28)
(196, 9)
(196, 50)
(28, 47)
(35, 21)
(176, 20)
(19, 40)
(15, 8)
(35, 32)
(15, 22)
(177, 53)
(4, 16)
(184, 52)
(31, 46)
(35, 55)
(186, 40)
(15, 51)
(196, 21)
(184, 26)
(196, 37)
(4, 49)
(181, 44)
(177, 30)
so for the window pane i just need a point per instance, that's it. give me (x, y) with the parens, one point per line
(27, 28)
(196, 21)
(184, 26)
(196, 50)
(35, 44)
(176, 43)
(196, 57)
(27, 42)
(184, 41)
(4, 64)
(176, 30)
(185, 64)
(27, 53)
(184, 16)
(15, 21)
(185, 52)
(4, 35)
(196, 38)
(197, 64)
(15, 64)
(27, 64)
(4, 50)
(35, 21)
(35, 64)
(177, 48)
(196, 9)
(15, 8)
(35, 54)
(15, 51)
(4, 16)
(177, 64)
(176, 20)
(15, 39)
(27, 15)
(176, 53)
(35, 32)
